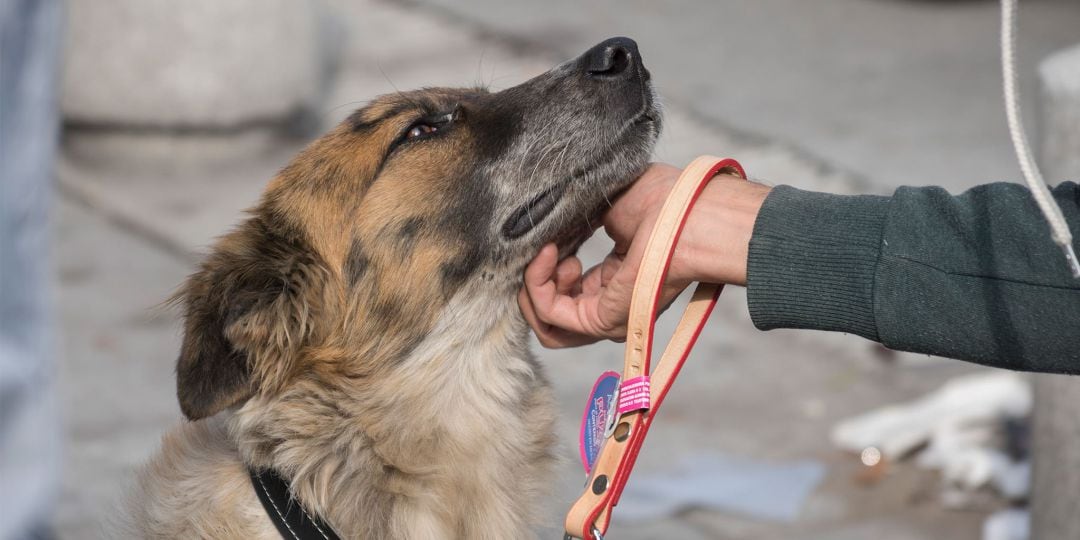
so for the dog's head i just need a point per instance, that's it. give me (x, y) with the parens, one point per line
(362, 240)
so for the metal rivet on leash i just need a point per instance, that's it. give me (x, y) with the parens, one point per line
(622, 431)
(599, 485)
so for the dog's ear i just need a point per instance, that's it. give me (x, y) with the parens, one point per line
(247, 312)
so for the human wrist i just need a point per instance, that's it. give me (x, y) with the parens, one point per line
(715, 243)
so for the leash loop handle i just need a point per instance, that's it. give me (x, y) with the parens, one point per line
(589, 517)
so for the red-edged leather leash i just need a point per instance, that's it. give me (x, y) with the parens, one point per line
(641, 392)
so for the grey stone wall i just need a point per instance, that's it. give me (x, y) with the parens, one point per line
(189, 77)
(1056, 434)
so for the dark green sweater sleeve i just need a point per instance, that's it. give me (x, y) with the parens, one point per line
(974, 277)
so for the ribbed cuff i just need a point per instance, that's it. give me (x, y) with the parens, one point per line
(812, 261)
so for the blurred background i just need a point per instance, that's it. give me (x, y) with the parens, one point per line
(174, 115)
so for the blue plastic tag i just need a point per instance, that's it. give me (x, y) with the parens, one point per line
(598, 413)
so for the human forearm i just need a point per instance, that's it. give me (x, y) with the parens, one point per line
(973, 276)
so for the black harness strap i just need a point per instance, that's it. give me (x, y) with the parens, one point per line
(288, 515)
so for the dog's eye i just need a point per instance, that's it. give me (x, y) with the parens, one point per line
(428, 126)
(419, 130)
(424, 128)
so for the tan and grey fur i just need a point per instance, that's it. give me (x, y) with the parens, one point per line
(359, 332)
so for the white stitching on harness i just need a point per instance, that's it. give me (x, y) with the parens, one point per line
(313, 522)
(278, 510)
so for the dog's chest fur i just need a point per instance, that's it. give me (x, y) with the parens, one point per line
(454, 442)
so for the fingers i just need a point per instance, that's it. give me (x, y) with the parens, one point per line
(548, 335)
(544, 281)
(568, 276)
(610, 266)
(550, 301)
(546, 303)
(527, 309)
(592, 282)
(555, 306)
(642, 199)
(542, 268)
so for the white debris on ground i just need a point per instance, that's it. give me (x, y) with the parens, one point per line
(956, 430)
(1008, 524)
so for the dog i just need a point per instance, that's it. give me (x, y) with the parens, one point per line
(358, 333)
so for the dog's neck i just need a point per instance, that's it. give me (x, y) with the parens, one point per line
(420, 428)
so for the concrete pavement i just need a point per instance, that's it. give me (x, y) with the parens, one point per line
(128, 234)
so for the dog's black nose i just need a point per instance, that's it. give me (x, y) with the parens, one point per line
(615, 58)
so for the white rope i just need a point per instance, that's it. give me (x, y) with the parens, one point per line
(1059, 228)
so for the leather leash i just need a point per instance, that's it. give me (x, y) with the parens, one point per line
(641, 392)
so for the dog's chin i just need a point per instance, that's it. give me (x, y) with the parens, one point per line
(580, 224)
(568, 216)
(570, 239)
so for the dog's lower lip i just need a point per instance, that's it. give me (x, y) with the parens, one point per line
(645, 117)
(528, 216)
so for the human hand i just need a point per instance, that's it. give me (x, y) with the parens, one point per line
(567, 308)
